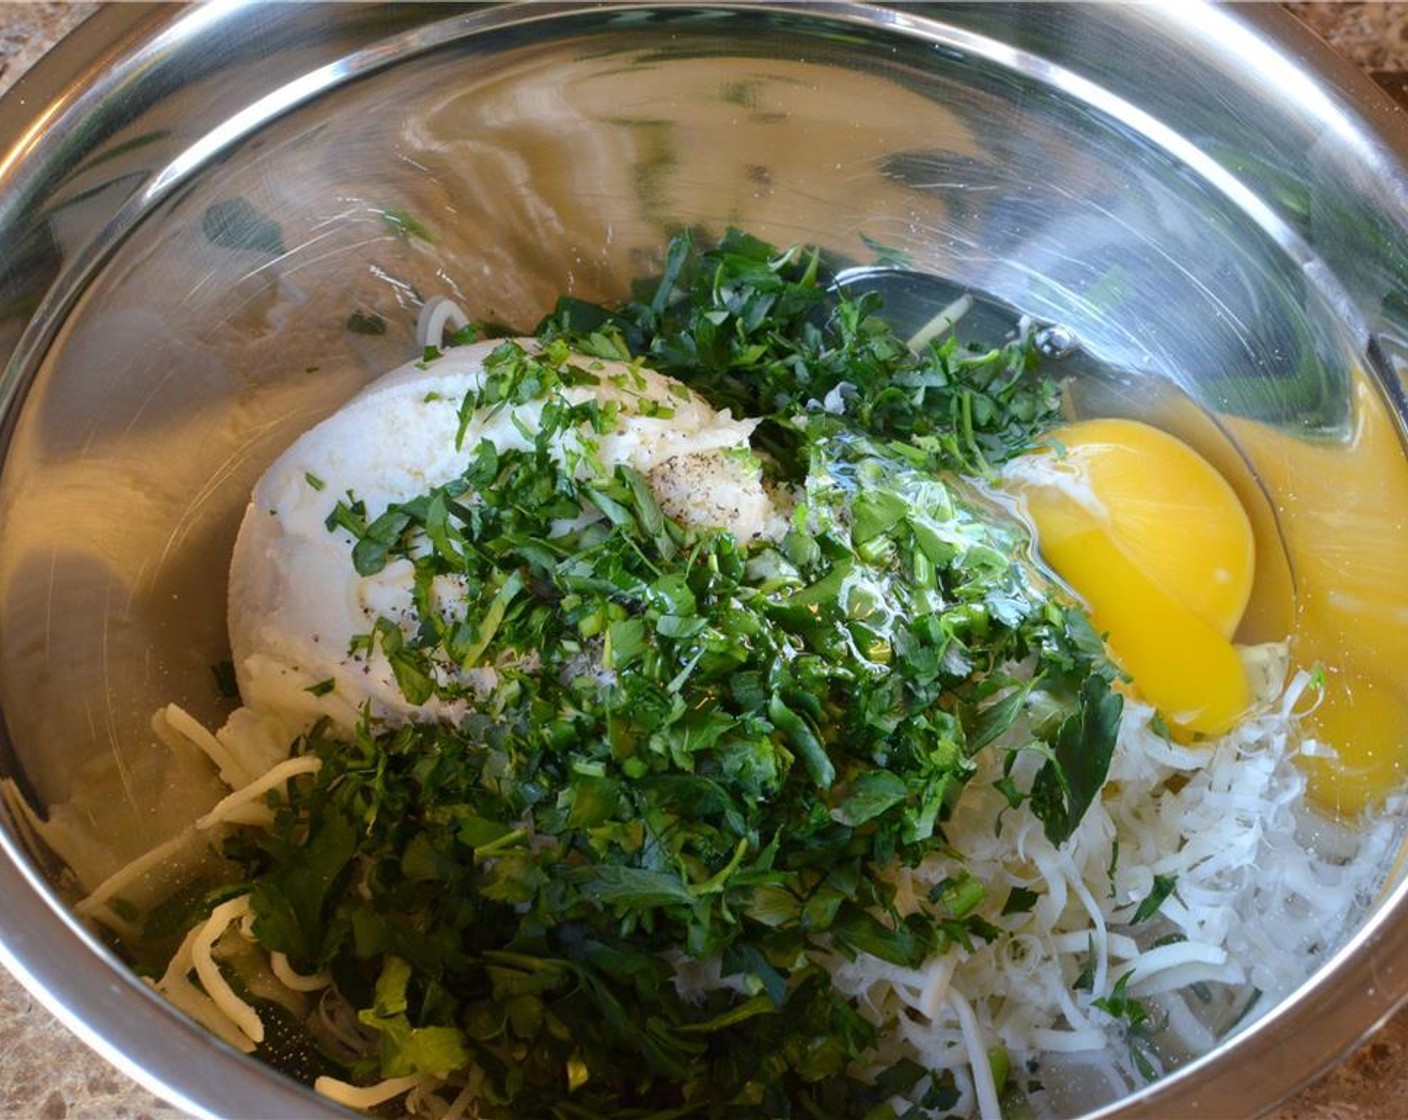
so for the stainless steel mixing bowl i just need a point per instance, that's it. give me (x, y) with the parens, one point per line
(193, 202)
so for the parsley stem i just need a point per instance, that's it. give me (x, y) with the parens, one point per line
(507, 840)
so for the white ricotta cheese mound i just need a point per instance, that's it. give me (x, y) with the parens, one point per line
(295, 600)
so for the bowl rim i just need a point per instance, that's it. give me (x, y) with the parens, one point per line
(97, 997)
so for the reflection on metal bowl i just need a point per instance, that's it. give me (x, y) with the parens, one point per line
(194, 202)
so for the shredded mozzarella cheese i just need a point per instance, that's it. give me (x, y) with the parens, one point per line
(296, 981)
(212, 979)
(356, 1096)
(242, 798)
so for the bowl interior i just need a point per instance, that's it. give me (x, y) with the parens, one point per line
(503, 161)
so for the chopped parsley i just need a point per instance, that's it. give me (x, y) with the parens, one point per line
(406, 224)
(366, 322)
(1149, 906)
(694, 747)
(237, 224)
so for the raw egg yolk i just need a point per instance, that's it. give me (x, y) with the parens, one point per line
(1360, 718)
(1158, 546)
(1344, 513)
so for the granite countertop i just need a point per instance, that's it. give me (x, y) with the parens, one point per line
(47, 1074)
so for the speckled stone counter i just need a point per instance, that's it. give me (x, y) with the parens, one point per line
(47, 1074)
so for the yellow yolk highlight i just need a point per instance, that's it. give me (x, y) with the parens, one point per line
(1361, 718)
(1156, 543)
(1344, 516)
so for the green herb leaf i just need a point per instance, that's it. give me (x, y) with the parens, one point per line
(1080, 758)
(1149, 906)
(406, 224)
(237, 224)
(366, 322)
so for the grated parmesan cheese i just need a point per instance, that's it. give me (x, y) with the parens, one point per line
(1254, 898)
